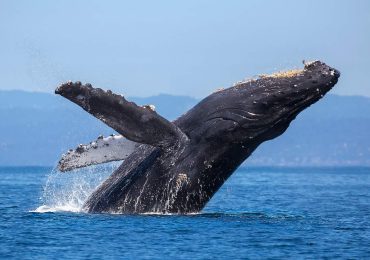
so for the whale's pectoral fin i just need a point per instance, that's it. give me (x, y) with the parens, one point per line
(102, 150)
(136, 123)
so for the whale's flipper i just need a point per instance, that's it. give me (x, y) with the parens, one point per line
(102, 150)
(136, 123)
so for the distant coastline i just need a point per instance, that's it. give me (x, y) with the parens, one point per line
(36, 128)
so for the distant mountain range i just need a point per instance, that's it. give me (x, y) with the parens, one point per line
(36, 128)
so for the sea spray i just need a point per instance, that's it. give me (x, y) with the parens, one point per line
(68, 191)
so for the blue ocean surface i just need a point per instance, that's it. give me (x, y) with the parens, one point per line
(264, 213)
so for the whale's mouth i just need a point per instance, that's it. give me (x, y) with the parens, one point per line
(320, 80)
(299, 89)
(280, 94)
(264, 105)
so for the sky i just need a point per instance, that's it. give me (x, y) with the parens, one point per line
(144, 48)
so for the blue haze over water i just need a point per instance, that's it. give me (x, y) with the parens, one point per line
(36, 128)
(259, 213)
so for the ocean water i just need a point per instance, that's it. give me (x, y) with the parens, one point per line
(263, 213)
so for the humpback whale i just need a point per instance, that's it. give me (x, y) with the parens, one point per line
(176, 167)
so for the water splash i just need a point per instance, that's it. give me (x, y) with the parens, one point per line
(68, 191)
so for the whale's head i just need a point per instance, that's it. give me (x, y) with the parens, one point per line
(260, 109)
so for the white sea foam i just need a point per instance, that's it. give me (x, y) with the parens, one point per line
(61, 208)
(67, 192)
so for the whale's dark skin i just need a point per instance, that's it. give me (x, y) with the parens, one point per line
(181, 165)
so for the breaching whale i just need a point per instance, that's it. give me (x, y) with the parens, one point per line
(176, 167)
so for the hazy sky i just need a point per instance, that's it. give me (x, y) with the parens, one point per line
(142, 48)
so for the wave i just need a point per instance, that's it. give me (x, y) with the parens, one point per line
(67, 192)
